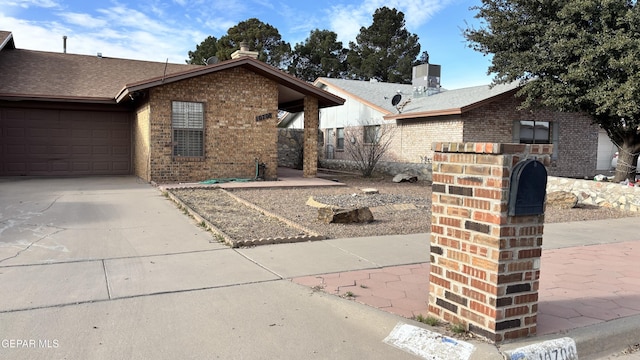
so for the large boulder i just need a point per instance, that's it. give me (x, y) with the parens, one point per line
(562, 199)
(344, 216)
(405, 177)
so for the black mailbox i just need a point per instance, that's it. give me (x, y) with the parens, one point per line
(528, 188)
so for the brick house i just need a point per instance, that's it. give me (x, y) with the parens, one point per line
(74, 115)
(423, 115)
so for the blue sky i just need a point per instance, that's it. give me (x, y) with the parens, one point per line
(159, 30)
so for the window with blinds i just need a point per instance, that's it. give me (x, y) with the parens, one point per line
(187, 122)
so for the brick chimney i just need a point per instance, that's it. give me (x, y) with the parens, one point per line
(244, 51)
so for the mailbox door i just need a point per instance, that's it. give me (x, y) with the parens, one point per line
(528, 188)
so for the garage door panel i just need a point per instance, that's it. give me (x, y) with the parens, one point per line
(16, 167)
(120, 150)
(14, 149)
(100, 150)
(14, 132)
(61, 142)
(80, 134)
(60, 166)
(80, 149)
(101, 166)
(36, 150)
(82, 166)
(120, 166)
(36, 167)
(59, 149)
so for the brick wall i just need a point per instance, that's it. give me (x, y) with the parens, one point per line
(416, 137)
(485, 264)
(577, 139)
(493, 122)
(141, 131)
(233, 138)
(411, 139)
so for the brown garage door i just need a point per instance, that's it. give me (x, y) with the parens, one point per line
(64, 142)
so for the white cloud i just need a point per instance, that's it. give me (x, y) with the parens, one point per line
(120, 16)
(40, 36)
(218, 25)
(346, 20)
(30, 3)
(265, 3)
(417, 13)
(131, 44)
(158, 29)
(84, 20)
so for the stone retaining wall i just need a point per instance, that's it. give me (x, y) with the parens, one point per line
(290, 147)
(290, 142)
(590, 192)
(422, 171)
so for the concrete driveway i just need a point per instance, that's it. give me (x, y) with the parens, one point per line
(108, 268)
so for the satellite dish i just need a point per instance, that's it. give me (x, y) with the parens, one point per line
(212, 60)
(396, 99)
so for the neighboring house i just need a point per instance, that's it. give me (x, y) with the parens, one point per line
(424, 115)
(69, 115)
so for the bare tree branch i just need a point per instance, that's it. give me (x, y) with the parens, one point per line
(367, 145)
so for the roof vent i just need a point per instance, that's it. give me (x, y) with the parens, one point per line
(100, 55)
(64, 44)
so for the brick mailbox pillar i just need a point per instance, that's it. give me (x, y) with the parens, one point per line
(485, 256)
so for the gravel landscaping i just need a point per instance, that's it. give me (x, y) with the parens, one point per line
(282, 213)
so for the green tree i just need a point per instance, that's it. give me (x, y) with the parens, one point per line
(385, 50)
(207, 48)
(261, 37)
(320, 55)
(570, 55)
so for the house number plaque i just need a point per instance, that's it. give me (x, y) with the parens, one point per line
(264, 117)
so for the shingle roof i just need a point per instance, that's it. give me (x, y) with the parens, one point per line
(39, 74)
(379, 94)
(291, 90)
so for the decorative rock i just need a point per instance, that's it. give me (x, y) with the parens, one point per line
(313, 203)
(562, 199)
(605, 194)
(344, 216)
(405, 177)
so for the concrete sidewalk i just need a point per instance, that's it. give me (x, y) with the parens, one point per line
(590, 292)
(104, 268)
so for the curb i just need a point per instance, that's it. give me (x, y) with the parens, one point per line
(594, 341)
